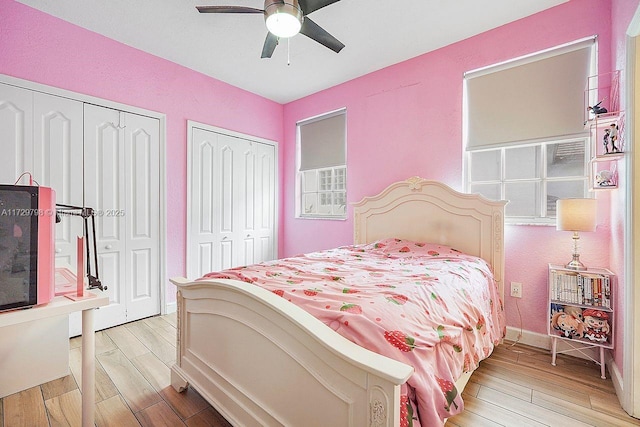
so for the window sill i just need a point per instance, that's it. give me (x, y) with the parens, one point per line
(332, 218)
(545, 223)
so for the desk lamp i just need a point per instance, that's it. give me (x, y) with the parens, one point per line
(576, 215)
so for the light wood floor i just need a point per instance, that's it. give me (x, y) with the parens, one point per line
(132, 385)
(516, 386)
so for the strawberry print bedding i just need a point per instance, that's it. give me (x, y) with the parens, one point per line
(425, 305)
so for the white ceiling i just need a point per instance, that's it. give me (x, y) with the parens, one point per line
(227, 47)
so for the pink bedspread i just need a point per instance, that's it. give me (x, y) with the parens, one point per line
(426, 305)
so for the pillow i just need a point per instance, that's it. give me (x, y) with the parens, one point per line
(408, 247)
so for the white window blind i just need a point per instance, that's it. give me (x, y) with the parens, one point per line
(537, 97)
(322, 142)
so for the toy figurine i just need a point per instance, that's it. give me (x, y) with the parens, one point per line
(613, 137)
(567, 325)
(573, 311)
(604, 178)
(597, 109)
(596, 324)
(605, 140)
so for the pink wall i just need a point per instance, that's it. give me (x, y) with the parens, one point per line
(406, 120)
(40, 48)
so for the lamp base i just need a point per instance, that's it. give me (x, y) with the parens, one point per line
(575, 264)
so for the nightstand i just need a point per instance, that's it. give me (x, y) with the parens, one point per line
(580, 311)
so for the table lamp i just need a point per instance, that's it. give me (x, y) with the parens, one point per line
(576, 215)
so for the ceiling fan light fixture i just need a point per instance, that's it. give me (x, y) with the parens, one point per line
(283, 19)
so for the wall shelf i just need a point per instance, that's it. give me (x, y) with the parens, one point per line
(606, 129)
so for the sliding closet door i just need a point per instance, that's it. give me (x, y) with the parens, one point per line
(16, 118)
(260, 195)
(42, 134)
(121, 177)
(142, 216)
(104, 169)
(57, 163)
(217, 174)
(231, 209)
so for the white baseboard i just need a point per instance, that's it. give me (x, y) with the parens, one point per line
(535, 339)
(616, 379)
(171, 307)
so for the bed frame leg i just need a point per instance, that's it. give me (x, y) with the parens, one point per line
(177, 381)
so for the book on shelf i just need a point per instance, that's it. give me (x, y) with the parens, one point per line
(582, 288)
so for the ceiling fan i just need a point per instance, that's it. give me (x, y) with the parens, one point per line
(285, 18)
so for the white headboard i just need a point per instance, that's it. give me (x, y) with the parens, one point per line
(429, 211)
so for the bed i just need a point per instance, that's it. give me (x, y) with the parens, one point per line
(262, 361)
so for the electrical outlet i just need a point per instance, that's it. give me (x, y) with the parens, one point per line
(516, 290)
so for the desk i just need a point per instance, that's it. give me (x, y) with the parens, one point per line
(43, 333)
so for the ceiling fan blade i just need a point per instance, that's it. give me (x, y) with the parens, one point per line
(270, 44)
(313, 31)
(309, 6)
(228, 9)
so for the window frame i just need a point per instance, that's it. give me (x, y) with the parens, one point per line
(543, 179)
(541, 218)
(301, 188)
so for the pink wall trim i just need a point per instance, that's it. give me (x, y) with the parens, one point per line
(406, 120)
(41, 48)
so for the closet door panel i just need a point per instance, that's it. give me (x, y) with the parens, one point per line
(16, 117)
(225, 181)
(248, 193)
(58, 163)
(104, 160)
(142, 213)
(265, 196)
(227, 223)
(204, 192)
(247, 214)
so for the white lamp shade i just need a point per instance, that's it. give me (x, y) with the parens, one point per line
(576, 214)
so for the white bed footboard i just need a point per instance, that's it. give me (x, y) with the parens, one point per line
(295, 371)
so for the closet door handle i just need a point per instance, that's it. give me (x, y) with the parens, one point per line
(108, 247)
(58, 250)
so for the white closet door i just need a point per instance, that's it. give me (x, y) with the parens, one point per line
(104, 167)
(228, 225)
(58, 163)
(216, 162)
(266, 196)
(42, 134)
(204, 192)
(142, 216)
(122, 184)
(16, 118)
(258, 193)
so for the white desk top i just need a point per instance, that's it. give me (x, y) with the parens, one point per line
(58, 305)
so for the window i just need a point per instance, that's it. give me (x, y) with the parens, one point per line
(525, 139)
(531, 176)
(322, 171)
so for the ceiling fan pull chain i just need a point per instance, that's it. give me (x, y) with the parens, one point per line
(288, 50)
